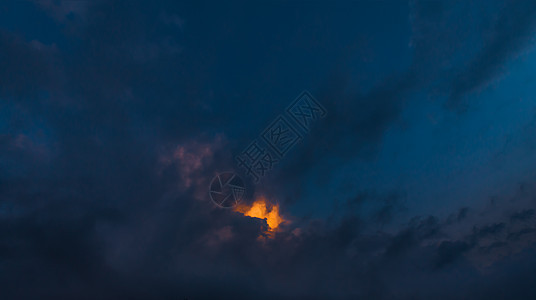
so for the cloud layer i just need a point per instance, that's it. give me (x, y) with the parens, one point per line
(115, 117)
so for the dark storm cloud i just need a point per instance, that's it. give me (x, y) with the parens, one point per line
(378, 209)
(355, 123)
(354, 127)
(459, 216)
(511, 32)
(103, 173)
(490, 230)
(442, 36)
(523, 215)
(114, 211)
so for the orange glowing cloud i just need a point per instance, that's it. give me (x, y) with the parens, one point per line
(262, 209)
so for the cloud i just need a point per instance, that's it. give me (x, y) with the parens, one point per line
(27, 68)
(64, 10)
(510, 34)
(131, 134)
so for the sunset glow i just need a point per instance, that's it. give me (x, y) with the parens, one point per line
(263, 209)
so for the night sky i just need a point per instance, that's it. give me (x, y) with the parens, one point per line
(415, 180)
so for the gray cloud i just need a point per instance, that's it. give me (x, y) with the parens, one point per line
(114, 212)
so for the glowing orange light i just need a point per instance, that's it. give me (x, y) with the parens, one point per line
(259, 209)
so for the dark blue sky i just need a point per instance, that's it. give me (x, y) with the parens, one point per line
(419, 183)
